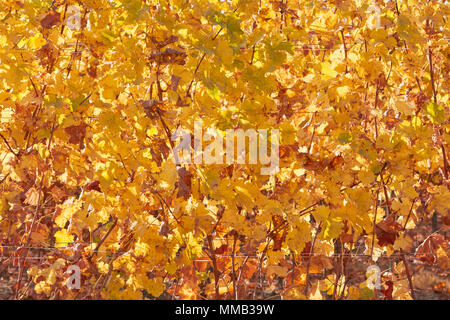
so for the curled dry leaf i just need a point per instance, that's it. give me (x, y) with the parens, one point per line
(33, 196)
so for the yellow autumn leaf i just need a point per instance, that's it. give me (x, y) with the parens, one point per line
(63, 238)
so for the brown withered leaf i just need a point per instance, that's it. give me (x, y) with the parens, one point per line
(19, 254)
(313, 163)
(164, 230)
(47, 54)
(222, 249)
(57, 193)
(188, 290)
(419, 99)
(94, 185)
(446, 219)
(202, 264)
(38, 233)
(159, 151)
(381, 81)
(284, 105)
(288, 150)
(92, 69)
(174, 80)
(184, 183)
(250, 248)
(51, 19)
(165, 42)
(169, 56)
(151, 108)
(391, 119)
(388, 291)
(309, 162)
(387, 230)
(427, 250)
(337, 162)
(279, 236)
(76, 133)
(278, 239)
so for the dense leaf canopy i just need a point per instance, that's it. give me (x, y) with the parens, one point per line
(91, 92)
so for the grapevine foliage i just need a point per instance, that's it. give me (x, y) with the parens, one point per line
(91, 92)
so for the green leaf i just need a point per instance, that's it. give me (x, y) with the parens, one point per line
(345, 137)
(276, 50)
(435, 111)
(75, 103)
(332, 228)
(232, 24)
(108, 35)
(366, 294)
(376, 168)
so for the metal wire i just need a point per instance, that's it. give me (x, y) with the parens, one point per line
(227, 255)
(311, 46)
(6, 258)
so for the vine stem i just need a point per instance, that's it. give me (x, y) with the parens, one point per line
(430, 60)
(8, 145)
(258, 278)
(199, 63)
(409, 213)
(240, 274)
(444, 155)
(102, 240)
(309, 261)
(27, 241)
(345, 50)
(346, 269)
(235, 293)
(215, 270)
(338, 276)
(374, 223)
(375, 106)
(386, 196)
(408, 275)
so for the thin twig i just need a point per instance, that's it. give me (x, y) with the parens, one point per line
(102, 240)
(240, 274)
(375, 107)
(374, 223)
(233, 268)
(409, 213)
(215, 268)
(27, 241)
(309, 261)
(430, 59)
(408, 274)
(345, 51)
(9, 146)
(444, 155)
(199, 63)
